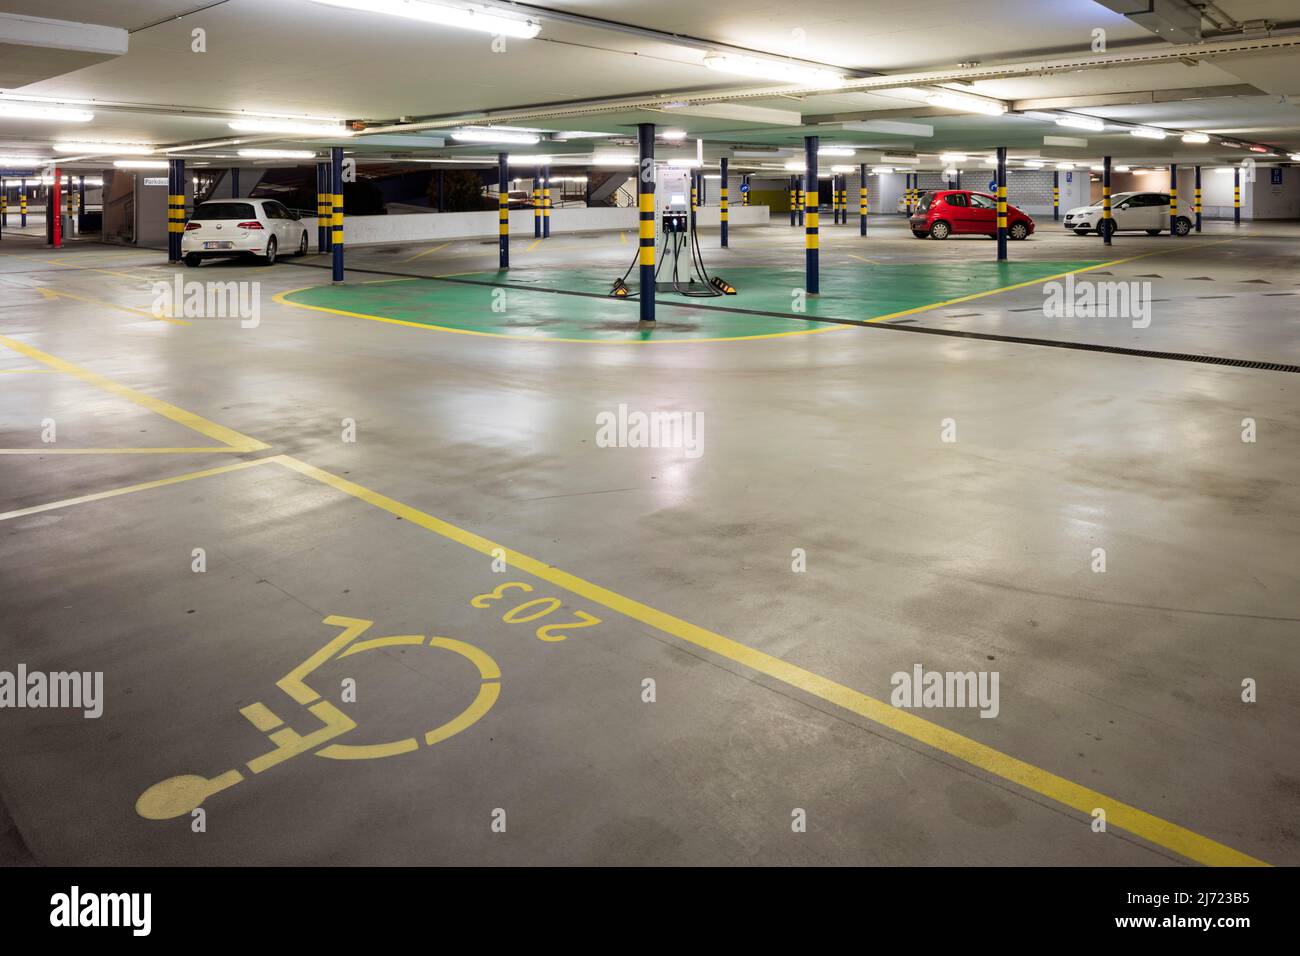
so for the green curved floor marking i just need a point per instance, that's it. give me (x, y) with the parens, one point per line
(859, 292)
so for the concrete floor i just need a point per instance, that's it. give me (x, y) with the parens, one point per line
(1119, 690)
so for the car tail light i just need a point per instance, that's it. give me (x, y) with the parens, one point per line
(193, 225)
(251, 224)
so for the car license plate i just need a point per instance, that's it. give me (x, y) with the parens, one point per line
(217, 245)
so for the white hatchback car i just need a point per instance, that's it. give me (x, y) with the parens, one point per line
(1130, 212)
(223, 228)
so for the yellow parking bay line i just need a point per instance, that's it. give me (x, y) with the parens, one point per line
(1151, 828)
(232, 439)
(47, 292)
(426, 252)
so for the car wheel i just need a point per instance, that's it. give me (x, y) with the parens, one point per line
(940, 230)
(1018, 231)
(193, 259)
(1182, 226)
(1153, 232)
(302, 246)
(269, 257)
(1081, 232)
(1106, 228)
(919, 235)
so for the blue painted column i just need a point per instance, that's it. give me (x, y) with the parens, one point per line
(175, 208)
(1104, 226)
(1002, 204)
(645, 192)
(324, 206)
(1173, 197)
(1197, 199)
(1236, 196)
(81, 203)
(537, 202)
(794, 203)
(546, 201)
(812, 238)
(336, 210)
(503, 211)
(22, 202)
(862, 199)
(1056, 195)
(723, 197)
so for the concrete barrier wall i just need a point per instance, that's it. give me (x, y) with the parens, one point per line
(422, 227)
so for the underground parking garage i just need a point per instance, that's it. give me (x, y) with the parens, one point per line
(482, 435)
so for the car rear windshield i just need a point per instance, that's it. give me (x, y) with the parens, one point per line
(225, 210)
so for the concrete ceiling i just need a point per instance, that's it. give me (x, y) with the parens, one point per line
(295, 57)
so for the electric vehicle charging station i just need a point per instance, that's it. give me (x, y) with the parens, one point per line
(677, 242)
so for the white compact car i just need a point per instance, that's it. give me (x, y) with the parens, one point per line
(1130, 212)
(223, 228)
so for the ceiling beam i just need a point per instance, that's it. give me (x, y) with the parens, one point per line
(1137, 98)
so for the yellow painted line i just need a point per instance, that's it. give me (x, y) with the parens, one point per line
(107, 272)
(96, 450)
(129, 489)
(854, 255)
(1032, 282)
(622, 237)
(533, 245)
(1082, 799)
(17, 371)
(233, 440)
(427, 252)
(282, 300)
(45, 290)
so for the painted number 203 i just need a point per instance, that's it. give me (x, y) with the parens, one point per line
(534, 610)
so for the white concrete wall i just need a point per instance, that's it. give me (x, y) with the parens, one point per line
(370, 230)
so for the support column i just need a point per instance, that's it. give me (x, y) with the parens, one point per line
(722, 196)
(812, 283)
(959, 179)
(862, 199)
(1173, 197)
(695, 196)
(537, 202)
(1056, 194)
(802, 192)
(546, 201)
(1236, 195)
(645, 191)
(503, 210)
(794, 203)
(1197, 199)
(81, 203)
(175, 208)
(4, 204)
(234, 182)
(1002, 204)
(53, 214)
(324, 206)
(700, 174)
(22, 202)
(1104, 226)
(336, 211)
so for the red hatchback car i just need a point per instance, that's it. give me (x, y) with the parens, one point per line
(946, 212)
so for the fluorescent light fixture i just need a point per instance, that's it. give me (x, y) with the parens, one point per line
(1146, 132)
(834, 151)
(291, 126)
(1098, 169)
(843, 169)
(796, 167)
(967, 103)
(101, 149)
(950, 173)
(1195, 138)
(1295, 157)
(1225, 169)
(447, 16)
(775, 71)
(952, 157)
(277, 154)
(1034, 164)
(521, 160)
(1119, 169)
(1090, 123)
(614, 159)
(1065, 165)
(140, 163)
(495, 136)
(990, 160)
(578, 134)
(55, 114)
(22, 162)
(881, 170)
(685, 163)
(899, 160)
(674, 135)
(1229, 144)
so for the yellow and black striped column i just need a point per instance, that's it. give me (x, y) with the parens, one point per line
(1236, 195)
(1104, 227)
(812, 240)
(503, 210)
(1056, 194)
(175, 208)
(1002, 204)
(1197, 203)
(4, 205)
(645, 189)
(336, 212)
(794, 202)
(546, 201)
(695, 197)
(862, 199)
(803, 201)
(22, 202)
(1173, 198)
(722, 203)
(324, 207)
(537, 202)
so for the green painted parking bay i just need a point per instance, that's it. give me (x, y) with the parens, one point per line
(523, 302)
